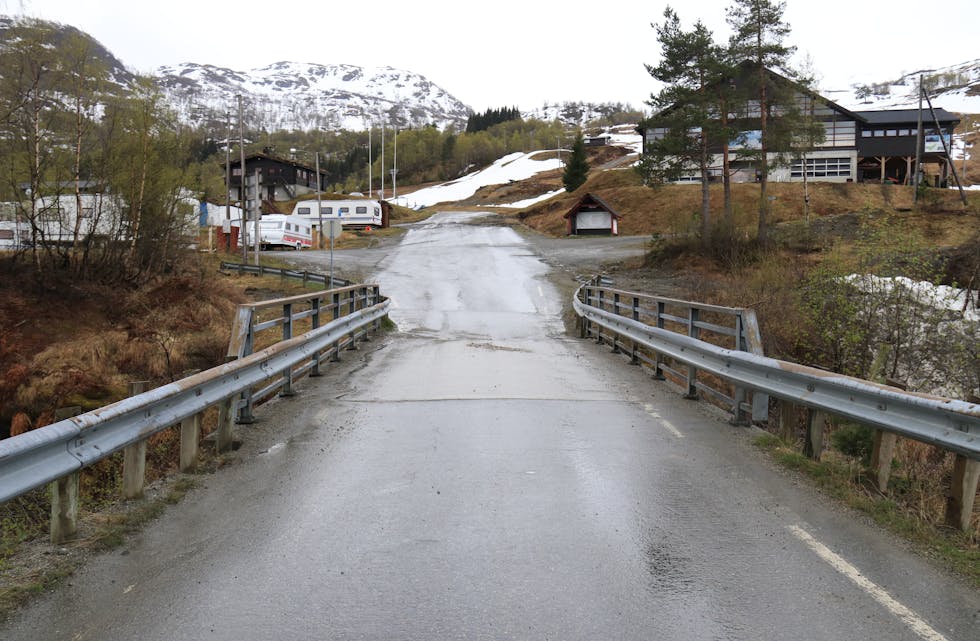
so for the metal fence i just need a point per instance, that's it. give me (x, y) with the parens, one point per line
(58, 451)
(303, 275)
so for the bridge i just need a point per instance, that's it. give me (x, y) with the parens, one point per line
(482, 474)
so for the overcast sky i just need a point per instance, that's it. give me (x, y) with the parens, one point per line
(508, 52)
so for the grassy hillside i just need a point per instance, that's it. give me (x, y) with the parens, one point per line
(671, 209)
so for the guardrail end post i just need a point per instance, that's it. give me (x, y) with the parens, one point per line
(813, 443)
(881, 458)
(963, 493)
(190, 443)
(64, 508)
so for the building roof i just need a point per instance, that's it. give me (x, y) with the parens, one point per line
(596, 200)
(898, 116)
(284, 161)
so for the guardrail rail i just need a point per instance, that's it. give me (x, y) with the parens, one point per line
(55, 454)
(644, 328)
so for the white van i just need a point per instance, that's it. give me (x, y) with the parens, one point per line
(351, 213)
(281, 230)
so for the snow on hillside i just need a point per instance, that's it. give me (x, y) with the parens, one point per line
(292, 95)
(515, 166)
(512, 167)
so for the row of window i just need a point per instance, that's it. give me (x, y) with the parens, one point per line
(889, 133)
(328, 211)
(821, 167)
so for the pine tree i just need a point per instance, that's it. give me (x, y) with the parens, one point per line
(693, 69)
(758, 35)
(577, 169)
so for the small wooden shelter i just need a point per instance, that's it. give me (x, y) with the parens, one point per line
(592, 215)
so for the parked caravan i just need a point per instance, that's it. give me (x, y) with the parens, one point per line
(356, 214)
(281, 230)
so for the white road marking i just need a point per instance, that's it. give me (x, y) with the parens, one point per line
(651, 410)
(908, 617)
(540, 291)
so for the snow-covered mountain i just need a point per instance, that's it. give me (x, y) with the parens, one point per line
(955, 88)
(307, 96)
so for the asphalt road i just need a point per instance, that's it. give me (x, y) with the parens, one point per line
(481, 475)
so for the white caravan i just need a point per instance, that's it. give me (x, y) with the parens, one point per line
(350, 213)
(280, 230)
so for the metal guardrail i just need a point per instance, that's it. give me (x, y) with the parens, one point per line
(736, 327)
(303, 275)
(49, 453)
(948, 423)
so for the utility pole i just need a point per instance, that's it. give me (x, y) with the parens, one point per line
(382, 160)
(918, 148)
(241, 174)
(394, 170)
(257, 214)
(370, 162)
(319, 209)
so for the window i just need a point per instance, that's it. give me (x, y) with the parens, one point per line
(891, 132)
(303, 211)
(377, 211)
(866, 133)
(822, 168)
(344, 210)
(879, 133)
(360, 210)
(326, 211)
(87, 212)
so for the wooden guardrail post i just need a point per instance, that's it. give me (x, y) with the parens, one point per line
(64, 495)
(635, 315)
(134, 456)
(314, 324)
(883, 448)
(190, 442)
(787, 420)
(813, 443)
(694, 316)
(599, 303)
(287, 333)
(658, 372)
(963, 493)
(336, 314)
(224, 435)
(615, 336)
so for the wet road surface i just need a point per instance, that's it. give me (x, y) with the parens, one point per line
(480, 475)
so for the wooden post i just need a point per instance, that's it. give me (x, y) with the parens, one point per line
(223, 437)
(64, 495)
(190, 443)
(134, 457)
(883, 449)
(787, 421)
(963, 493)
(881, 458)
(64, 508)
(813, 444)
(694, 316)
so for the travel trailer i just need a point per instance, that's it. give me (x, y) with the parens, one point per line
(351, 213)
(281, 230)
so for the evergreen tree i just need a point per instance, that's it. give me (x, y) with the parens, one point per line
(688, 126)
(577, 169)
(758, 35)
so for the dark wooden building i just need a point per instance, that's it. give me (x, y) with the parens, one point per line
(872, 146)
(279, 179)
(886, 146)
(592, 215)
